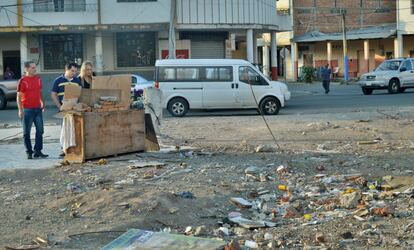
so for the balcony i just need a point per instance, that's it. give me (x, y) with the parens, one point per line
(284, 19)
(61, 6)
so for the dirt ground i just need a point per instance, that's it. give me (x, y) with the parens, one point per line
(321, 160)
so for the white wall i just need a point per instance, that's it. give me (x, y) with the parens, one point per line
(406, 19)
(113, 12)
(90, 16)
(7, 18)
(226, 12)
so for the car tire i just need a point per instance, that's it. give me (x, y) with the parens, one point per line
(367, 91)
(402, 90)
(394, 86)
(178, 107)
(3, 102)
(270, 106)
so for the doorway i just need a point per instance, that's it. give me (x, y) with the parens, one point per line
(11, 59)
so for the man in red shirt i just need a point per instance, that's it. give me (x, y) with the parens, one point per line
(31, 106)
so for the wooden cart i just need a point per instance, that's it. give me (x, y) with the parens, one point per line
(107, 134)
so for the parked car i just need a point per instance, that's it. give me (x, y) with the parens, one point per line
(395, 75)
(217, 84)
(8, 91)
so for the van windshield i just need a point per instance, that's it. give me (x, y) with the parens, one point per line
(389, 65)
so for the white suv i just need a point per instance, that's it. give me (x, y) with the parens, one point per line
(396, 75)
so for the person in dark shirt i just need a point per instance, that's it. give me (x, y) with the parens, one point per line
(8, 74)
(68, 78)
(326, 78)
(31, 107)
(86, 74)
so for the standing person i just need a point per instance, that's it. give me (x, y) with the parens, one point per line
(31, 106)
(86, 74)
(8, 74)
(68, 78)
(326, 78)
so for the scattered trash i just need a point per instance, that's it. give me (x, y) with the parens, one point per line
(142, 239)
(185, 195)
(240, 202)
(200, 231)
(102, 162)
(153, 164)
(246, 223)
(23, 247)
(251, 244)
(74, 188)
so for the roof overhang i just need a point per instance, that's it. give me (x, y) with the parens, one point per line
(376, 32)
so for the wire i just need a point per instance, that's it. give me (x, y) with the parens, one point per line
(261, 112)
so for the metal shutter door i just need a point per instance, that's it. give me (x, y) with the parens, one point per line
(207, 49)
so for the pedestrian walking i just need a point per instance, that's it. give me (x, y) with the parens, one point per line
(31, 107)
(326, 78)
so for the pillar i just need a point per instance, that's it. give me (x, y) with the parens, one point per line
(249, 45)
(266, 58)
(366, 56)
(24, 55)
(398, 46)
(294, 60)
(273, 48)
(98, 54)
(255, 56)
(329, 53)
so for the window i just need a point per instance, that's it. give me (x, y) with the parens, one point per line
(219, 74)
(61, 49)
(135, 1)
(188, 74)
(182, 74)
(250, 76)
(412, 7)
(407, 65)
(59, 5)
(135, 49)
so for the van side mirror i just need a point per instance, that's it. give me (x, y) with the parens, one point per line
(403, 69)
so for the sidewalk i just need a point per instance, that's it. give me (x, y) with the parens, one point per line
(13, 155)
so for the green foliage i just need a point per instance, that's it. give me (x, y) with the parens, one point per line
(308, 74)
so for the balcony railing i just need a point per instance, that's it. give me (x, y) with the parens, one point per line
(283, 12)
(60, 6)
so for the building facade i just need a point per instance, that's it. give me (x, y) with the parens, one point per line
(318, 34)
(405, 22)
(127, 36)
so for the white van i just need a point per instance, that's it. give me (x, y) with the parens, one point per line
(217, 84)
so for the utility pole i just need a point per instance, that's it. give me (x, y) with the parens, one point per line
(345, 47)
(171, 36)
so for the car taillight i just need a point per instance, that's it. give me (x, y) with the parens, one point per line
(157, 85)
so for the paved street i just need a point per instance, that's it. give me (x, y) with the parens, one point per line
(306, 99)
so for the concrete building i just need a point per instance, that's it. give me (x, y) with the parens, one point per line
(371, 34)
(126, 36)
(405, 19)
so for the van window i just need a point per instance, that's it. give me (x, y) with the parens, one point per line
(219, 74)
(188, 74)
(173, 74)
(250, 76)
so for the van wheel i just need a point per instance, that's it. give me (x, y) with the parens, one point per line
(270, 106)
(178, 107)
(367, 91)
(394, 86)
(3, 102)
